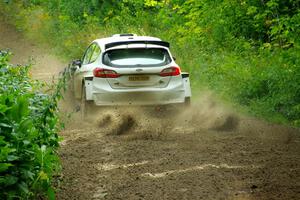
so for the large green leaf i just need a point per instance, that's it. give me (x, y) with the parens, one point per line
(10, 180)
(51, 194)
(3, 108)
(5, 125)
(4, 166)
(20, 109)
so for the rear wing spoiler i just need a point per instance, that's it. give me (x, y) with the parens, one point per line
(161, 43)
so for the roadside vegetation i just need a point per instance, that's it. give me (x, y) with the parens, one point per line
(247, 51)
(29, 125)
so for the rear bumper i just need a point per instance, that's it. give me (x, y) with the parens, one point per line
(105, 96)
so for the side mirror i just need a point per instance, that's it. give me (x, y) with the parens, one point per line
(174, 58)
(76, 63)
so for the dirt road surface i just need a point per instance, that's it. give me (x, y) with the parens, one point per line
(205, 152)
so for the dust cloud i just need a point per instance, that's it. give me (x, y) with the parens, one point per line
(154, 122)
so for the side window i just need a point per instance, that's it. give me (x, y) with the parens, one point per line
(95, 54)
(88, 54)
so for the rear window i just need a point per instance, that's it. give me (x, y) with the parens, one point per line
(146, 57)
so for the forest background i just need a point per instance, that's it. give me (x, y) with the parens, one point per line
(246, 51)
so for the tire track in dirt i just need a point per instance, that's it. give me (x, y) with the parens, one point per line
(205, 152)
(192, 162)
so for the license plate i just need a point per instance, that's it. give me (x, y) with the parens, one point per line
(138, 78)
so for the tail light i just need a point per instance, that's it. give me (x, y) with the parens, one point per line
(105, 73)
(171, 71)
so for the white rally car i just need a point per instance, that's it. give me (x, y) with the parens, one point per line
(126, 69)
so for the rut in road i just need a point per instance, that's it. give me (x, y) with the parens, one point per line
(204, 152)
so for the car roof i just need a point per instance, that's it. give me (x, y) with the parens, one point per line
(118, 38)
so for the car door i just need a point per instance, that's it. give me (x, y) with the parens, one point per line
(89, 62)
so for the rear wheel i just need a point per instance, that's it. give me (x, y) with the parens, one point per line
(85, 106)
(187, 102)
(179, 108)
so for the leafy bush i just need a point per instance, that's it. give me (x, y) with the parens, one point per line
(28, 134)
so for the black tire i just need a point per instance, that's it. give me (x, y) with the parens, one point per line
(85, 105)
(187, 102)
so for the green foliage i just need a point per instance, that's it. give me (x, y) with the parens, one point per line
(267, 82)
(28, 134)
(247, 50)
